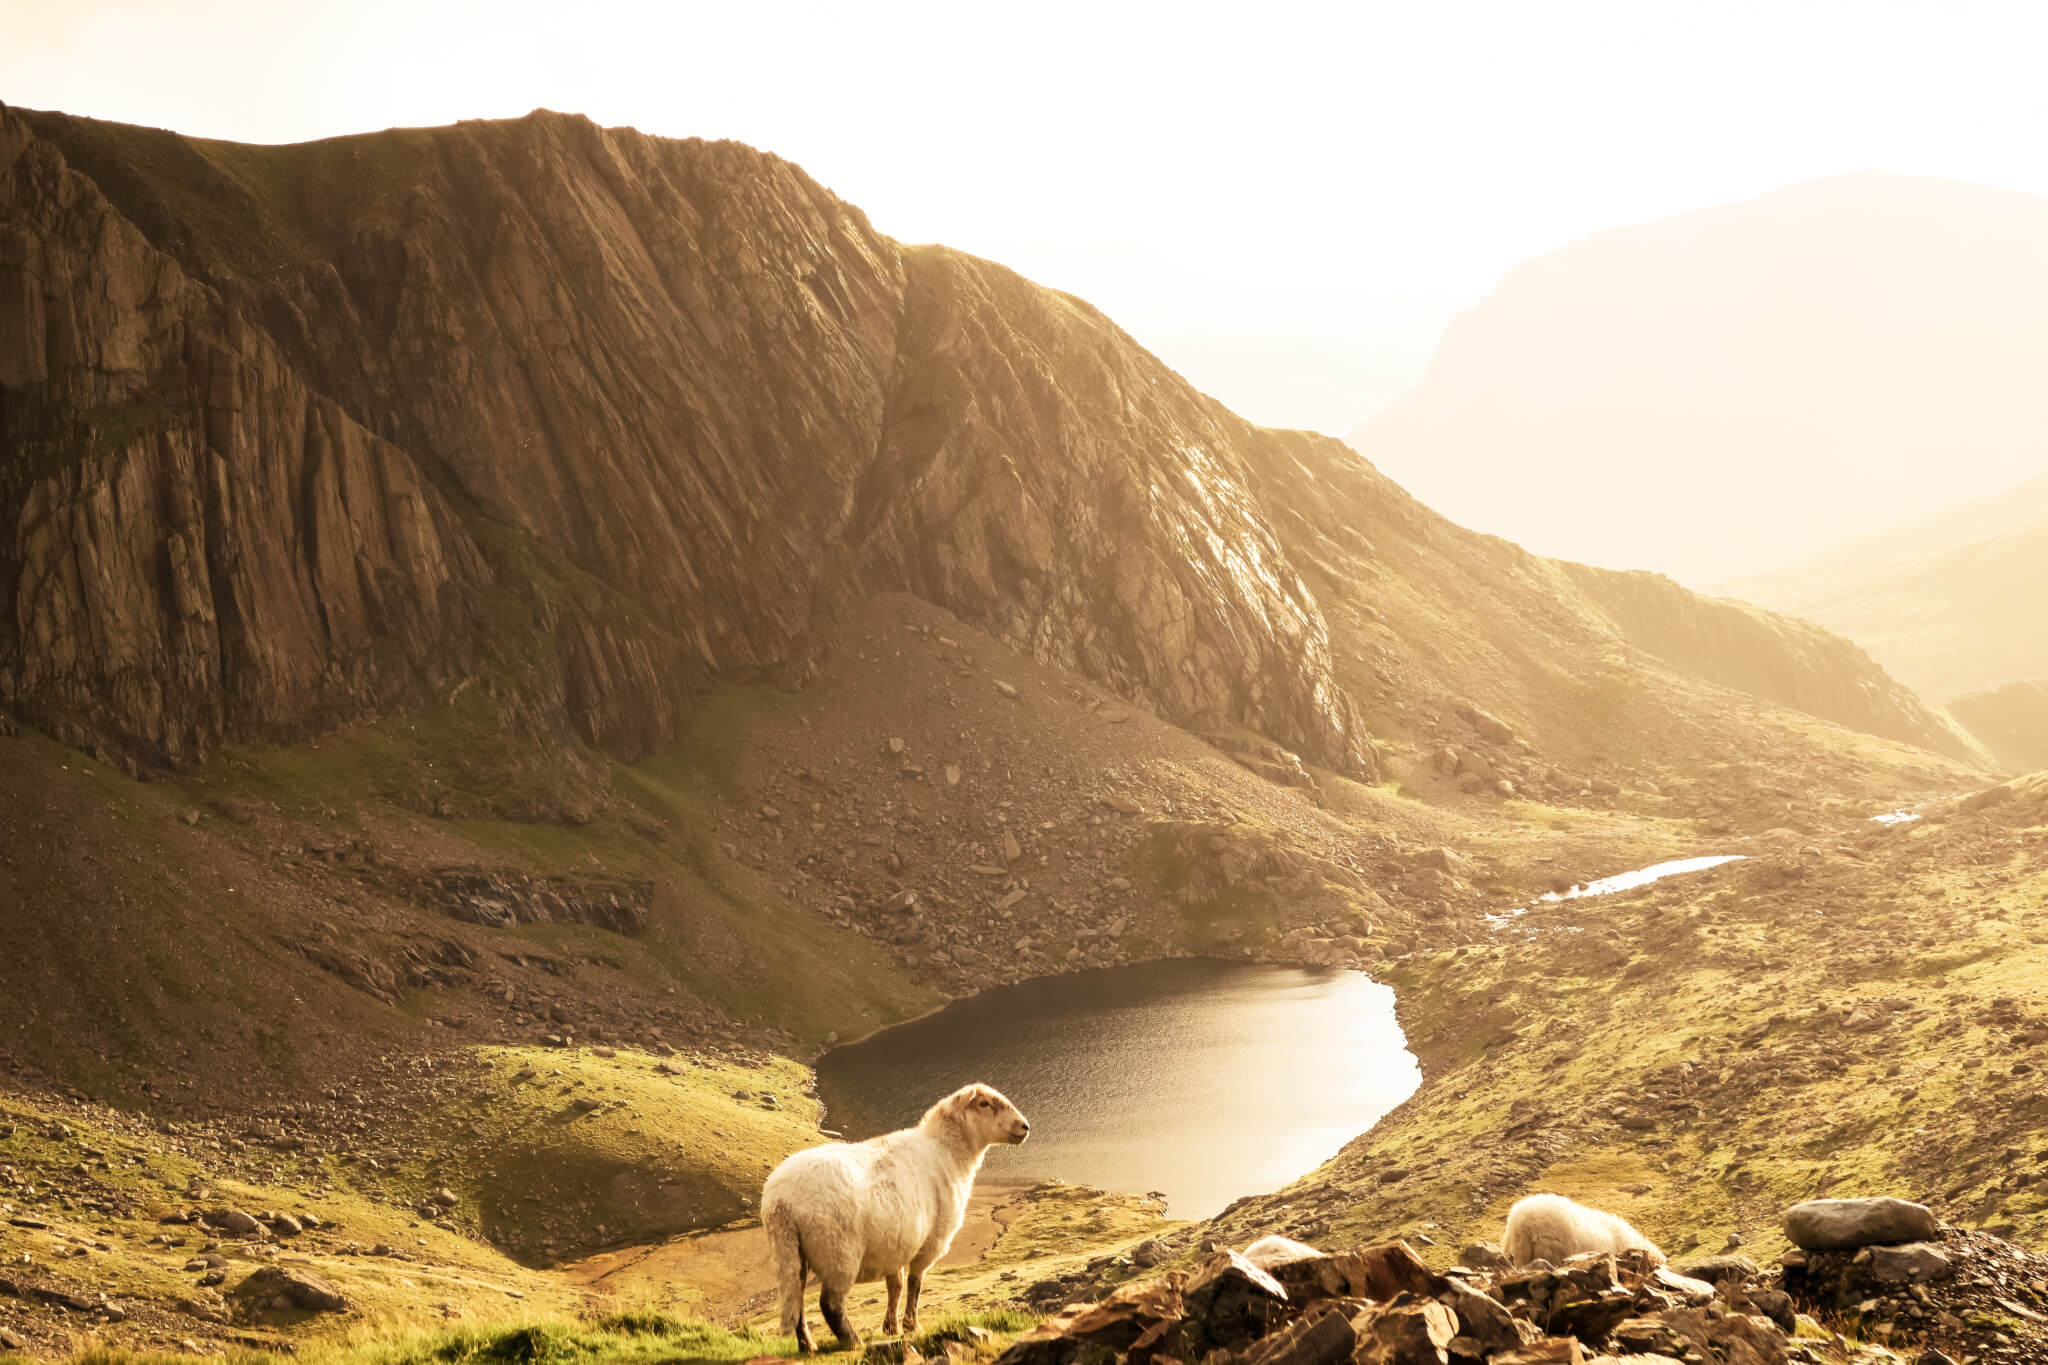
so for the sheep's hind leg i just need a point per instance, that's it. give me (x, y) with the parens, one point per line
(914, 1285)
(895, 1282)
(792, 1274)
(832, 1304)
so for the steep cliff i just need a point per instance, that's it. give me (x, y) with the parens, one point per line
(292, 431)
(291, 435)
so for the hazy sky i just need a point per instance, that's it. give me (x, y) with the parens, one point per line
(1287, 202)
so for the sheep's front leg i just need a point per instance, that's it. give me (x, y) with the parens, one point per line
(895, 1282)
(912, 1289)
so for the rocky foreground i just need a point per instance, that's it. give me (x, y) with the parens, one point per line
(1867, 1279)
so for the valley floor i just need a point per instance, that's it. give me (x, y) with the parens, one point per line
(521, 1070)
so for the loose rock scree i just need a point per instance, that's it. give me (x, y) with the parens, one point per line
(882, 1209)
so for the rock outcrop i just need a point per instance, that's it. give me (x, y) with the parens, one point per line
(1380, 1305)
(1839, 1224)
(295, 435)
(290, 433)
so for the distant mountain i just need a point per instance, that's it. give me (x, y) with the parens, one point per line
(1814, 578)
(1723, 391)
(1966, 619)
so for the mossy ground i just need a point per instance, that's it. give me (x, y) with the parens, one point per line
(625, 1338)
(563, 1152)
(1685, 1055)
(106, 1186)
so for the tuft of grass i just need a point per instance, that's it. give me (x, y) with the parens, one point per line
(619, 1339)
(629, 1338)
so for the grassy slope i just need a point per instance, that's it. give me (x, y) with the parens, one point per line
(1716, 1013)
(625, 1338)
(551, 1177)
(183, 918)
(114, 1213)
(542, 1182)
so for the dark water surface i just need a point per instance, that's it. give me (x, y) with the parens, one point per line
(1200, 1079)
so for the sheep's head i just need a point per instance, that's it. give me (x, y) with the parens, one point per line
(983, 1115)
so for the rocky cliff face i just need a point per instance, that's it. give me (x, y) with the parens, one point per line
(292, 432)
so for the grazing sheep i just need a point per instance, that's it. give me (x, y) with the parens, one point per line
(1550, 1227)
(881, 1209)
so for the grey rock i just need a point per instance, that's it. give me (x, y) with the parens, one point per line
(1715, 1269)
(1232, 1299)
(235, 1223)
(1691, 1290)
(1485, 1256)
(296, 1285)
(1913, 1263)
(1839, 1224)
(1481, 1317)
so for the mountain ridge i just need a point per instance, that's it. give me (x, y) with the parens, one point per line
(1718, 391)
(494, 373)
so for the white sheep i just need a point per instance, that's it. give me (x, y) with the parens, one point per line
(881, 1209)
(1550, 1227)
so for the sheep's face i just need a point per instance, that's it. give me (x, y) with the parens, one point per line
(989, 1117)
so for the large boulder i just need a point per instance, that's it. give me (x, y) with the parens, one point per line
(1230, 1300)
(1489, 726)
(1715, 1269)
(235, 1223)
(1305, 1273)
(1132, 1318)
(1912, 1263)
(1404, 1334)
(1325, 1335)
(1483, 1319)
(1841, 1224)
(282, 1288)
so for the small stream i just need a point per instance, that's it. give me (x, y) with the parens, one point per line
(1621, 881)
(1642, 876)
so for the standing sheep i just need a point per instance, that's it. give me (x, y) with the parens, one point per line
(881, 1209)
(1550, 1227)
